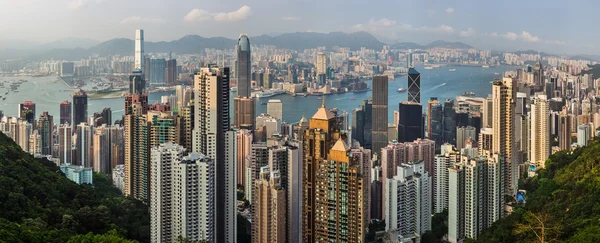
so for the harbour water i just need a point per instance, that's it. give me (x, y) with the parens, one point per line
(49, 92)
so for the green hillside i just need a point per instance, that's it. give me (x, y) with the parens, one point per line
(563, 202)
(39, 204)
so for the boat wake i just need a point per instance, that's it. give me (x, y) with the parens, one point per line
(435, 87)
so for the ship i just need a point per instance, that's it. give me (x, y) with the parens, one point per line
(264, 94)
(452, 70)
(428, 68)
(485, 66)
(400, 90)
(352, 98)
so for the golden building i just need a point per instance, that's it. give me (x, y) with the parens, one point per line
(271, 208)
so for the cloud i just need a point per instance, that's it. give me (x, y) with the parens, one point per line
(442, 29)
(528, 37)
(468, 33)
(385, 22)
(449, 10)
(392, 29)
(199, 15)
(292, 18)
(494, 34)
(78, 4)
(510, 36)
(138, 19)
(555, 42)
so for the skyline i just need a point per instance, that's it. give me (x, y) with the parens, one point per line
(470, 22)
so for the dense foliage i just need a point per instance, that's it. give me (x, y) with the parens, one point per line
(563, 202)
(39, 204)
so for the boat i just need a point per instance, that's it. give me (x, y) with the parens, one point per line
(468, 93)
(428, 68)
(485, 66)
(264, 94)
(352, 98)
(400, 90)
(452, 70)
(319, 98)
(496, 74)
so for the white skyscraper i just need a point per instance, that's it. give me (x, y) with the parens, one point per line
(475, 197)
(407, 201)
(182, 189)
(275, 109)
(539, 149)
(139, 50)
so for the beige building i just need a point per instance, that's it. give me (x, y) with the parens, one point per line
(503, 130)
(539, 150)
(321, 63)
(271, 208)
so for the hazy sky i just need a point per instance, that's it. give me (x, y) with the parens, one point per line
(551, 25)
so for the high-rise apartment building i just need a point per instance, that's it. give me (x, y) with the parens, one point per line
(84, 154)
(137, 152)
(539, 132)
(414, 85)
(321, 64)
(211, 115)
(65, 112)
(171, 71)
(244, 138)
(45, 128)
(380, 113)
(503, 138)
(183, 189)
(271, 208)
(65, 143)
(584, 134)
(463, 134)
(102, 150)
(139, 50)
(442, 162)
(408, 201)
(117, 147)
(80, 107)
(565, 121)
(25, 130)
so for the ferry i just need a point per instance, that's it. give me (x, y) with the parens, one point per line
(400, 90)
(485, 66)
(352, 98)
(264, 94)
(452, 70)
(428, 68)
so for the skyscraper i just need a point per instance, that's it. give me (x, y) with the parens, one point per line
(410, 126)
(449, 122)
(171, 71)
(321, 65)
(80, 107)
(463, 134)
(244, 103)
(414, 85)
(362, 124)
(211, 88)
(380, 112)
(65, 143)
(503, 136)
(434, 120)
(539, 131)
(46, 129)
(564, 130)
(102, 150)
(137, 151)
(65, 112)
(139, 50)
(84, 145)
(275, 109)
(137, 83)
(271, 208)
(27, 112)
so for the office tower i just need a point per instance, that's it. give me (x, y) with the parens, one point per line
(321, 65)
(137, 151)
(434, 120)
(449, 121)
(539, 132)
(503, 136)
(244, 138)
(245, 112)
(362, 124)
(171, 71)
(475, 196)
(275, 109)
(80, 107)
(442, 162)
(414, 85)
(380, 112)
(538, 74)
(117, 146)
(139, 51)
(65, 143)
(182, 201)
(27, 112)
(584, 134)
(65, 112)
(376, 203)
(244, 104)
(409, 59)
(410, 126)
(243, 66)
(103, 118)
(463, 134)
(45, 128)
(84, 146)
(271, 208)
(408, 201)
(211, 89)
(25, 130)
(318, 139)
(156, 72)
(101, 150)
(137, 82)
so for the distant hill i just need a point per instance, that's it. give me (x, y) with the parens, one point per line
(435, 44)
(585, 57)
(196, 44)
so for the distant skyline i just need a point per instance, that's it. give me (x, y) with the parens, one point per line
(550, 26)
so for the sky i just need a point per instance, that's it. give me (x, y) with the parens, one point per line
(554, 26)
